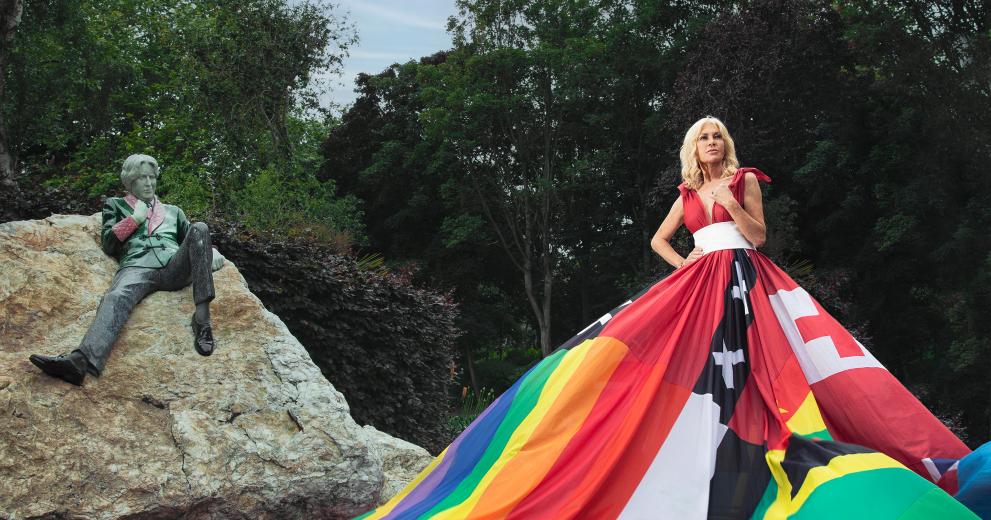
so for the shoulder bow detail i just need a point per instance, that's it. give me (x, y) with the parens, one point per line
(741, 173)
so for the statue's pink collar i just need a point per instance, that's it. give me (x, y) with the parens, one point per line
(156, 212)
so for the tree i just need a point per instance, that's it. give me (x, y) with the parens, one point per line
(10, 17)
(549, 112)
(548, 137)
(218, 92)
(554, 130)
(916, 190)
(415, 216)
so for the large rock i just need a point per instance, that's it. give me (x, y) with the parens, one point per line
(253, 431)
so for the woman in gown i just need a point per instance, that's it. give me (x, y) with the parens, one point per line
(723, 391)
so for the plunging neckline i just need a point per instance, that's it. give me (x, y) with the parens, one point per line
(698, 215)
(710, 215)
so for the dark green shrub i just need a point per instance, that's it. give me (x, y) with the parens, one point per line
(385, 344)
(499, 374)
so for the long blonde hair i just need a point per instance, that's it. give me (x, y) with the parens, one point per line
(691, 170)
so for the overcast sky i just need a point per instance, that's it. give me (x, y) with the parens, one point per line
(390, 31)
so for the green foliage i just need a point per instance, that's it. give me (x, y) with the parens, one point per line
(471, 406)
(374, 262)
(894, 229)
(564, 118)
(499, 373)
(460, 228)
(221, 94)
(411, 197)
(878, 159)
(304, 206)
(187, 192)
(429, 142)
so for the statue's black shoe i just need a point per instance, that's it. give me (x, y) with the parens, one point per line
(202, 337)
(68, 367)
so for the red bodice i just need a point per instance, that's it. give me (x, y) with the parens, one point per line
(695, 215)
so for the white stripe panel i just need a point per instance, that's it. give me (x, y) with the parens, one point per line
(604, 319)
(931, 467)
(676, 484)
(601, 321)
(742, 287)
(819, 358)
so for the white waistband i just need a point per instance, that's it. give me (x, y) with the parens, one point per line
(721, 235)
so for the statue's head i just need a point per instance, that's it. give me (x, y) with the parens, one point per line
(140, 176)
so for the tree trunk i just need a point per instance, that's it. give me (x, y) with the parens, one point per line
(470, 365)
(545, 330)
(10, 17)
(530, 244)
(650, 214)
(538, 313)
(584, 292)
(10, 196)
(547, 270)
(514, 240)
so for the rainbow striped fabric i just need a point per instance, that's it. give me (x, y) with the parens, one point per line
(723, 391)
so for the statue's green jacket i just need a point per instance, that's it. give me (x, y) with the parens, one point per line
(142, 248)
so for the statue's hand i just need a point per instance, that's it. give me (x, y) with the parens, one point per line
(218, 260)
(140, 212)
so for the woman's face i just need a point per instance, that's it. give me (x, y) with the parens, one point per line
(710, 146)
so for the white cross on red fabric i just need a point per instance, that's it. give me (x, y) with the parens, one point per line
(727, 359)
(823, 347)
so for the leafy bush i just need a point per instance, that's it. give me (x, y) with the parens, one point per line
(386, 345)
(221, 93)
(499, 374)
(270, 202)
(472, 405)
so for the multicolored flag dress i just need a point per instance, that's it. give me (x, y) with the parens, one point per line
(724, 391)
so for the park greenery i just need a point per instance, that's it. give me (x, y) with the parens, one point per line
(512, 182)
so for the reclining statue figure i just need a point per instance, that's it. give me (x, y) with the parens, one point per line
(158, 249)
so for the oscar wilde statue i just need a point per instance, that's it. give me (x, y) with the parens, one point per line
(159, 250)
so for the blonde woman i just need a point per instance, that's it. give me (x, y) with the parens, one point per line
(714, 184)
(723, 391)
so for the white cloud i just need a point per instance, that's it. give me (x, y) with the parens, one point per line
(397, 16)
(391, 57)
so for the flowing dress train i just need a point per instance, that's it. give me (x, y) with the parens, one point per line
(723, 391)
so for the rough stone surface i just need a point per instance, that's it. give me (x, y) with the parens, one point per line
(253, 431)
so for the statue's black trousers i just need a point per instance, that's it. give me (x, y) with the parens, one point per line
(192, 263)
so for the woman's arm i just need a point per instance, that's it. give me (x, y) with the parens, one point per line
(749, 217)
(661, 243)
